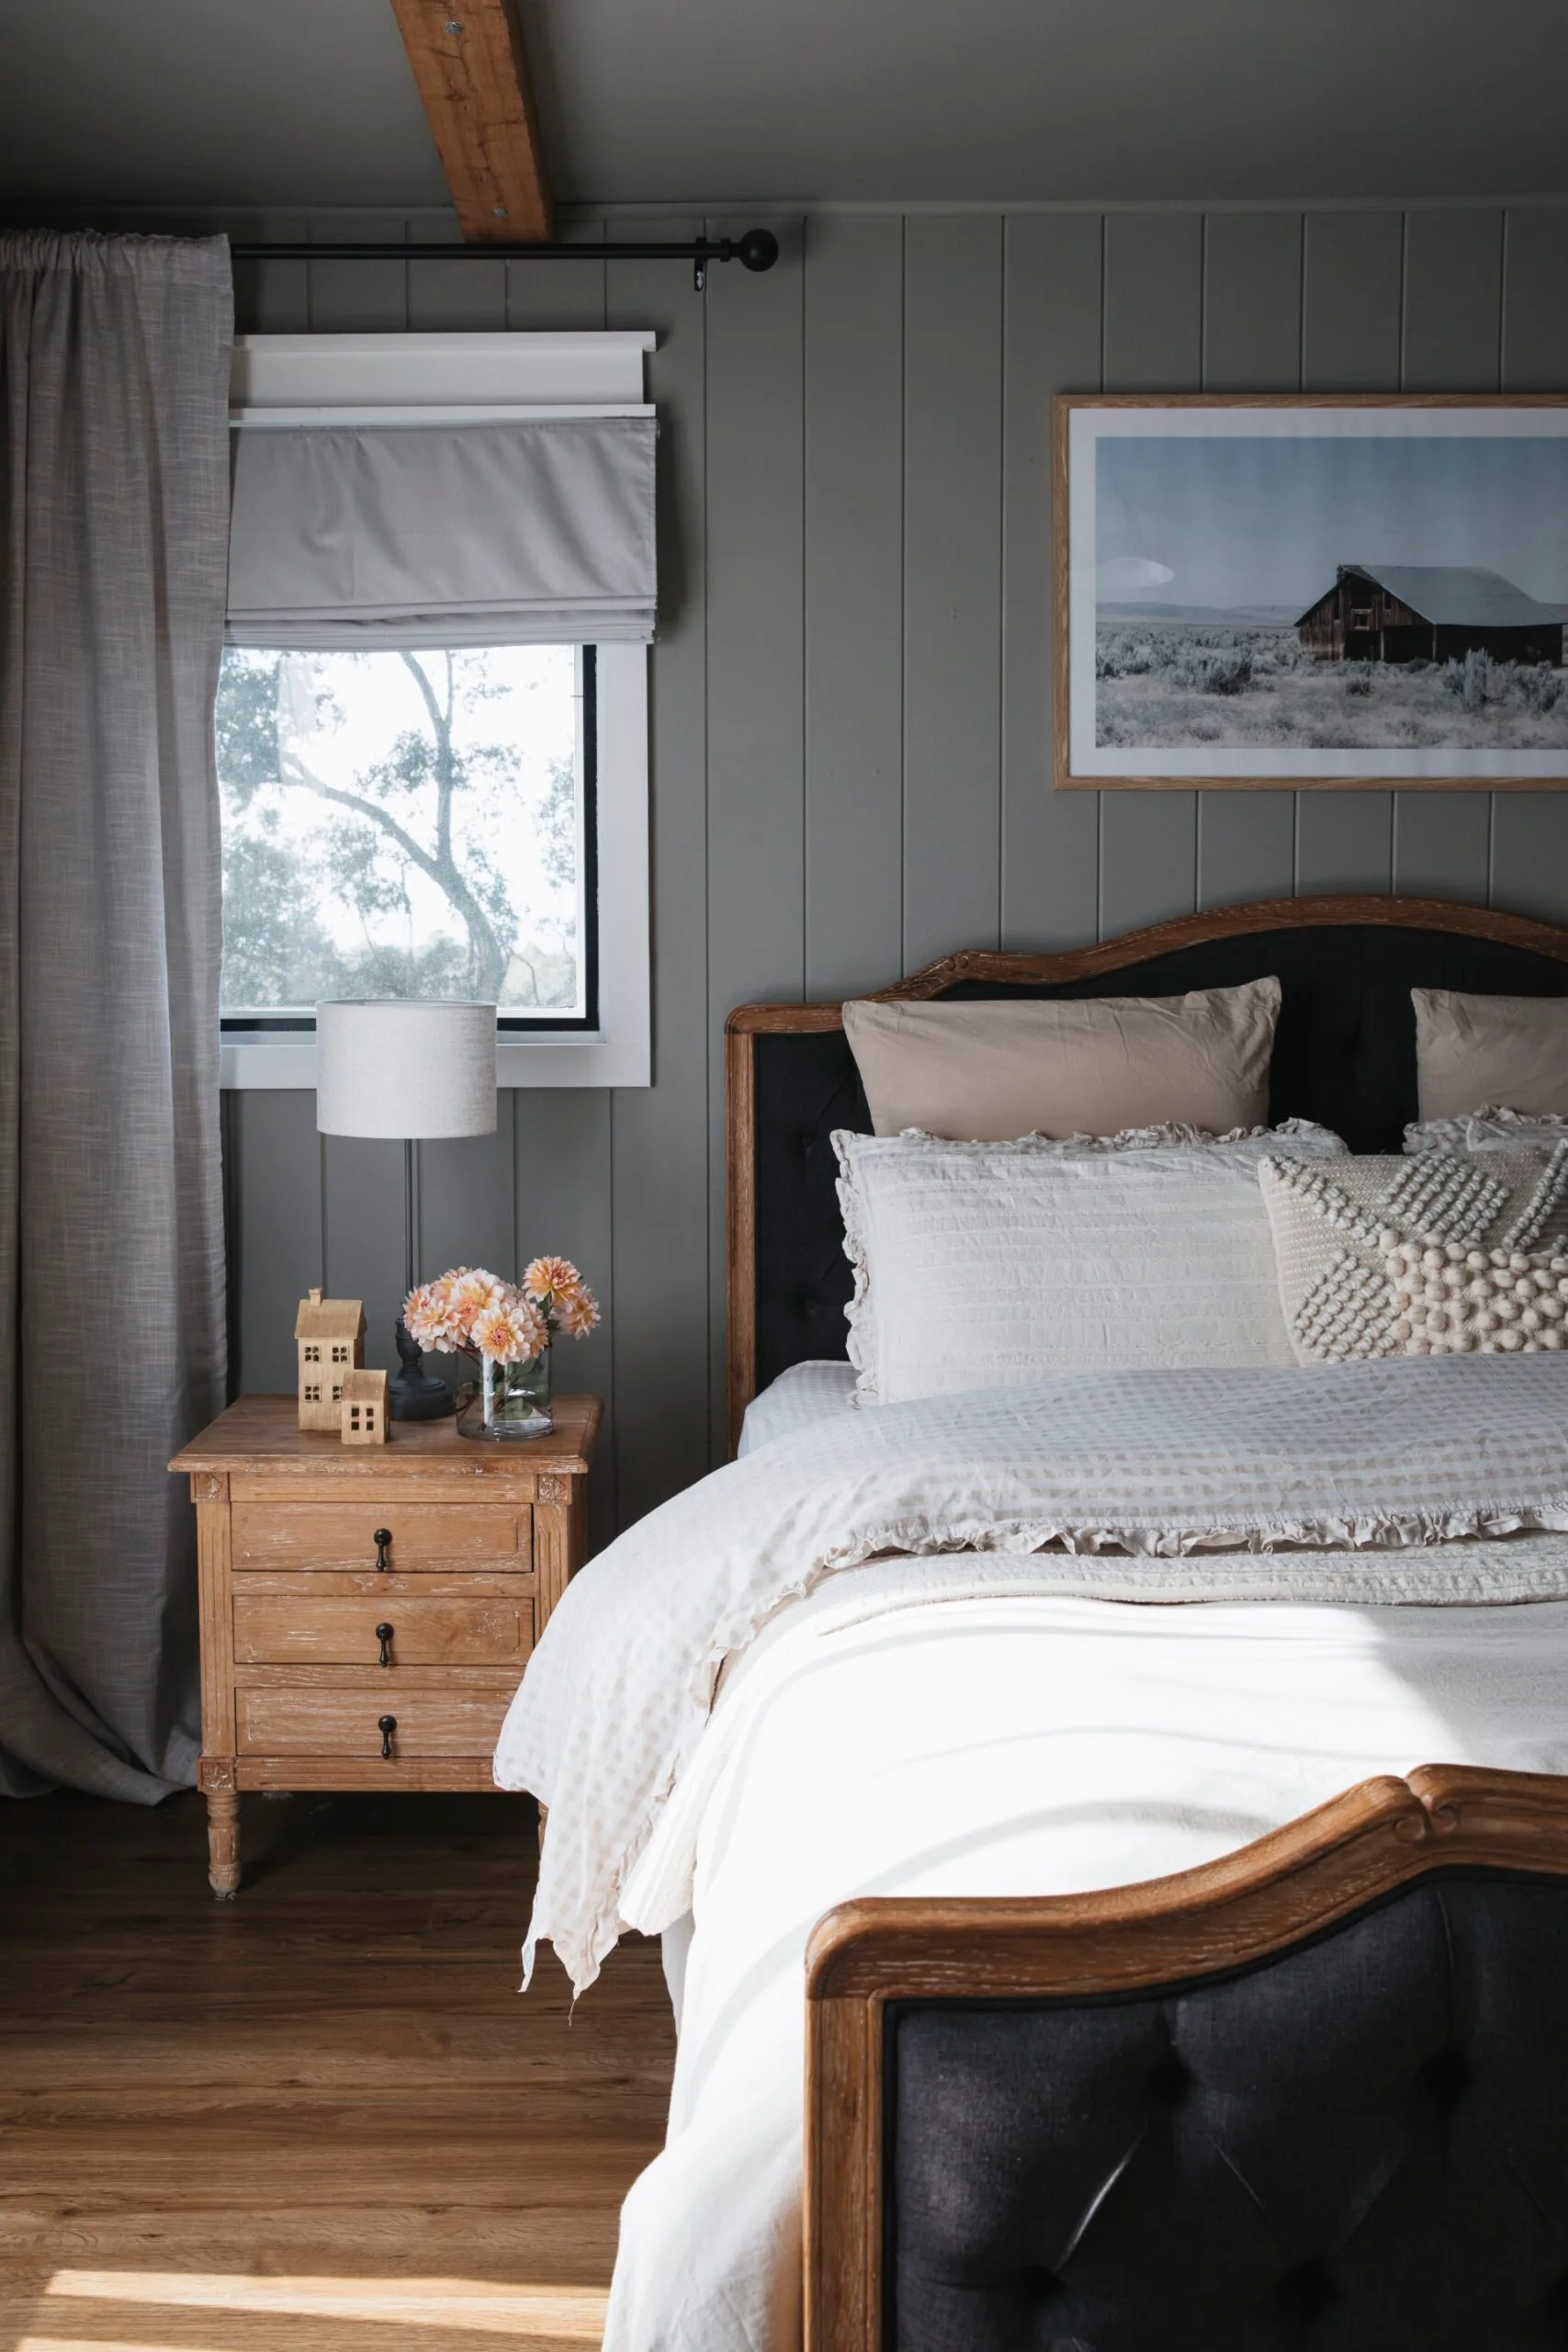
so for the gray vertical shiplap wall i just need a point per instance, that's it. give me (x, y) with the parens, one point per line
(851, 690)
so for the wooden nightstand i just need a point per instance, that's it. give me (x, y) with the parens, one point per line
(366, 1611)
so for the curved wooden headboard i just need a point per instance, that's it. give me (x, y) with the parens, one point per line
(1345, 1055)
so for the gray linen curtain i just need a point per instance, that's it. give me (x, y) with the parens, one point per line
(114, 378)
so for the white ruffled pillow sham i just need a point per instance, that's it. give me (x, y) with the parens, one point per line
(989, 1264)
(1489, 1130)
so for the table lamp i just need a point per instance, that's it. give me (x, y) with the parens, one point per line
(409, 1071)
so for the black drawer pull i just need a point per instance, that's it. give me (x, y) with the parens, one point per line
(384, 1636)
(386, 1726)
(382, 1539)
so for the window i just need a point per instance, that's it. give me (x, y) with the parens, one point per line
(408, 823)
(432, 717)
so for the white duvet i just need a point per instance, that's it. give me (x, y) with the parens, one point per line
(881, 1738)
(1147, 1486)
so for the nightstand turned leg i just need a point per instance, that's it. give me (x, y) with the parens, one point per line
(223, 1842)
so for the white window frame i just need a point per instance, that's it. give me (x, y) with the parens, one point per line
(374, 378)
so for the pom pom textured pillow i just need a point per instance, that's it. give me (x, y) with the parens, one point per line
(1445, 1254)
(1067, 1066)
(983, 1265)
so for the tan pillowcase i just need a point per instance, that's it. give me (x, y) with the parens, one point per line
(1474, 1050)
(988, 1072)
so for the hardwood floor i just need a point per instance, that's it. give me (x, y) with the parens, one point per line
(319, 2118)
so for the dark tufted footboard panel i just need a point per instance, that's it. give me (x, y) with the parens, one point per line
(1357, 2144)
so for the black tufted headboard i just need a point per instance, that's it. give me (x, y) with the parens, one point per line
(1344, 1055)
(1315, 2096)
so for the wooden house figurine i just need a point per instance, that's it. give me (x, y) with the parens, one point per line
(329, 1334)
(364, 1408)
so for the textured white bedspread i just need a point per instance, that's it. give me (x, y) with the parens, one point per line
(816, 1391)
(995, 1746)
(1150, 1486)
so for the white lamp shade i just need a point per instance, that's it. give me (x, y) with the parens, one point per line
(406, 1069)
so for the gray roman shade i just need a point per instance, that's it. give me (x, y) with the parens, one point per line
(424, 535)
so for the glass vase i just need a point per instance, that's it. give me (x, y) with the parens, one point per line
(513, 1400)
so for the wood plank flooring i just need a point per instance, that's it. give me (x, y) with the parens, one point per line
(319, 2118)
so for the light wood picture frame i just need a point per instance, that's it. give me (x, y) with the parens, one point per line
(1328, 593)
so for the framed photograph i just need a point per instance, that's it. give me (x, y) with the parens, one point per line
(1325, 594)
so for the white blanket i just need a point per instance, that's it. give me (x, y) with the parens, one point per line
(1197, 1479)
(995, 1746)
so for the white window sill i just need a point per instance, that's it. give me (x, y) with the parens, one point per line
(262, 1063)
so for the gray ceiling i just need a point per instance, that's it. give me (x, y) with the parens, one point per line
(309, 102)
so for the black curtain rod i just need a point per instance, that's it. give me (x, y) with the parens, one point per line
(758, 249)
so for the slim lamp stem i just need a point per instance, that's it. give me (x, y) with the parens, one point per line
(408, 1211)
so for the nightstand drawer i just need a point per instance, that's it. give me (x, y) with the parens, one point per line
(343, 1536)
(276, 1628)
(306, 1720)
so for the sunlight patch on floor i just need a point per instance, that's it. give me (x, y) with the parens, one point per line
(476, 2305)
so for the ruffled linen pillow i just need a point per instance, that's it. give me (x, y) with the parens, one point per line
(1443, 1254)
(983, 1265)
(1485, 1130)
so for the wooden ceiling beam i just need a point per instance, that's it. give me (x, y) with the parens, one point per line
(473, 79)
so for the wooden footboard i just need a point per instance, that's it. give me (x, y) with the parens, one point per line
(1328, 2072)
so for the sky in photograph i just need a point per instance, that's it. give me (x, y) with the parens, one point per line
(1218, 520)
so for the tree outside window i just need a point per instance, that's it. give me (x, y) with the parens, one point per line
(401, 823)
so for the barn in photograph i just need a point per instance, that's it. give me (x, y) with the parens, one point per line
(1428, 612)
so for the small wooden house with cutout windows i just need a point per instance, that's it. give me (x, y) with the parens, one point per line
(364, 1408)
(329, 1334)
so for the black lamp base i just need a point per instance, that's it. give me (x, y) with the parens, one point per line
(413, 1394)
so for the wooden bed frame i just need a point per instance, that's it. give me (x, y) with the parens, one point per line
(871, 1961)
(996, 974)
(1250, 1905)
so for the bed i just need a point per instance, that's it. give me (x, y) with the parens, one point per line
(885, 1660)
